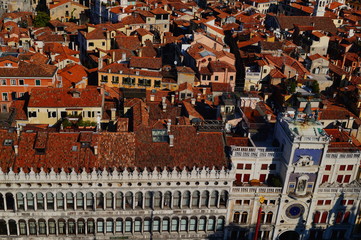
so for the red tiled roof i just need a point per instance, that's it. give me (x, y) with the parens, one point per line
(145, 62)
(62, 97)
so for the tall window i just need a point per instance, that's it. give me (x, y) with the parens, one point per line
(59, 201)
(269, 217)
(157, 199)
(139, 200)
(100, 200)
(49, 200)
(100, 226)
(205, 198)
(148, 200)
(184, 224)
(202, 224)
(211, 223)
(244, 217)
(30, 200)
(137, 225)
(192, 224)
(52, 226)
(236, 217)
(109, 200)
(167, 199)
(119, 225)
(32, 227)
(20, 201)
(89, 201)
(61, 226)
(81, 226)
(214, 199)
(223, 199)
(79, 200)
(69, 200)
(119, 200)
(175, 222)
(165, 225)
(71, 226)
(22, 227)
(109, 226)
(128, 225)
(90, 226)
(42, 226)
(147, 225)
(156, 225)
(177, 199)
(186, 199)
(220, 224)
(129, 200)
(195, 199)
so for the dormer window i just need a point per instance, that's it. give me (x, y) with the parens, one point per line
(160, 135)
(8, 64)
(75, 94)
(8, 142)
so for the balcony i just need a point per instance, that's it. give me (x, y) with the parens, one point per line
(343, 155)
(258, 189)
(256, 152)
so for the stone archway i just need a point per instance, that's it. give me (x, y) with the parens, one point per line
(289, 235)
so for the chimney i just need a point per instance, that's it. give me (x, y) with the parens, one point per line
(193, 101)
(172, 98)
(152, 98)
(171, 140)
(164, 105)
(169, 123)
(16, 149)
(100, 63)
(95, 150)
(204, 91)
(124, 57)
(112, 115)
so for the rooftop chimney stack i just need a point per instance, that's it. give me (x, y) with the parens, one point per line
(193, 101)
(16, 149)
(169, 123)
(172, 98)
(164, 105)
(112, 115)
(95, 150)
(171, 140)
(152, 98)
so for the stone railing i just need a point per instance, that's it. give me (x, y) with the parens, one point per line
(257, 189)
(339, 190)
(343, 155)
(256, 152)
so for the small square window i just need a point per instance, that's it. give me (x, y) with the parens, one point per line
(350, 202)
(248, 166)
(239, 202)
(328, 202)
(264, 166)
(320, 202)
(74, 148)
(37, 82)
(328, 167)
(342, 167)
(21, 81)
(3, 82)
(216, 78)
(349, 167)
(240, 166)
(8, 142)
(246, 202)
(12, 82)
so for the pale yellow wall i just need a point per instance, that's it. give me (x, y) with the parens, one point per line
(59, 12)
(120, 83)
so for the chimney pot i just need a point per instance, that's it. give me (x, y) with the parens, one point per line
(16, 149)
(171, 140)
(95, 150)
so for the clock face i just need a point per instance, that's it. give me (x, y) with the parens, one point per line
(295, 211)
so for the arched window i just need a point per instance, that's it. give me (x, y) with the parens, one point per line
(324, 217)
(90, 226)
(79, 200)
(40, 201)
(177, 199)
(2, 205)
(269, 217)
(9, 201)
(211, 224)
(220, 224)
(52, 226)
(109, 225)
(99, 200)
(100, 225)
(202, 224)
(193, 224)
(109, 200)
(316, 217)
(71, 226)
(69, 200)
(30, 201)
(148, 200)
(157, 199)
(165, 224)
(195, 199)
(147, 225)
(119, 225)
(244, 217)
(236, 217)
(81, 226)
(20, 201)
(139, 200)
(167, 199)
(214, 199)
(42, 227)
(13, 229)
(61, 227)
(3, 229)
(22, 227)
(205, 198)
(119, 200)
(175, 224)
(224, 199)
(186, 199)
(128, 225)
(156, 224)
(138, 225)
(49, 201)
(32, 227)
(184, 224)
(129, 200)
(89, 201)
(346, 217)
(59, 201)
